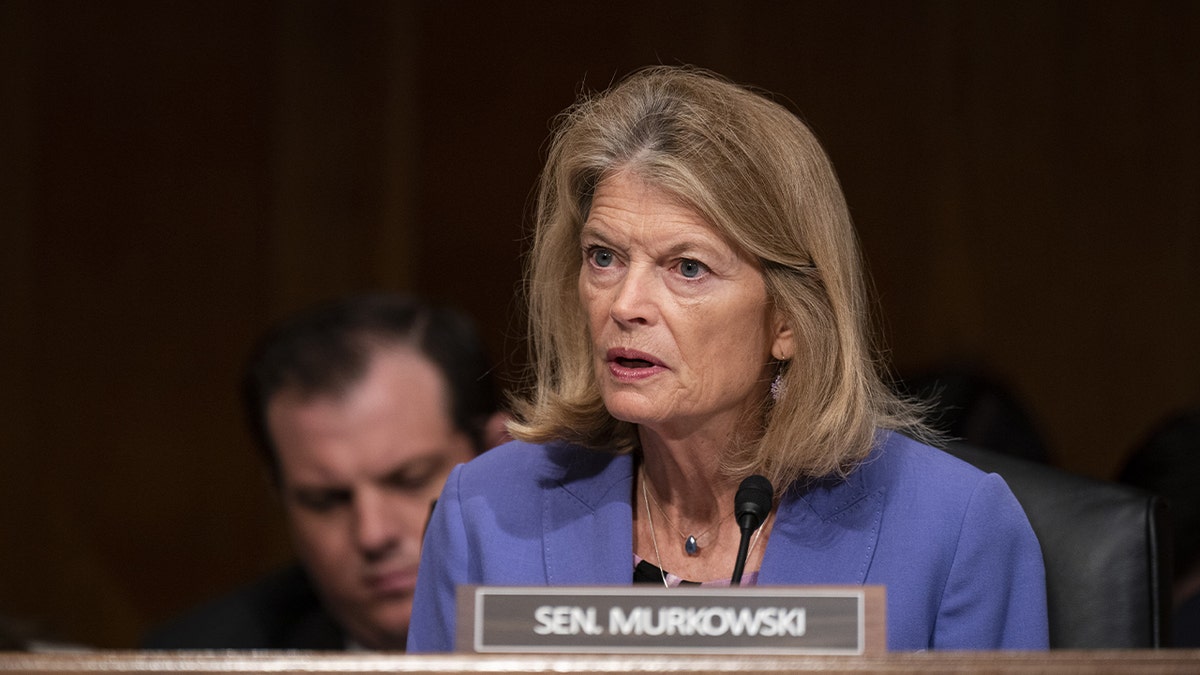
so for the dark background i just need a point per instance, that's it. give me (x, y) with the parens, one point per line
(1025, 176)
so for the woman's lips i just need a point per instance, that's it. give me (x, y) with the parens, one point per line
(630, 365)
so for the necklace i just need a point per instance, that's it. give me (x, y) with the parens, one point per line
(654, 537)
(691, 545)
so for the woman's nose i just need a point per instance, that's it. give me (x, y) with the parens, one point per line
(634, 302)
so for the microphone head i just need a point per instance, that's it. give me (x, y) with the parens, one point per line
(752, 502)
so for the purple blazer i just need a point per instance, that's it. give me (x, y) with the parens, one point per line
(962, 568)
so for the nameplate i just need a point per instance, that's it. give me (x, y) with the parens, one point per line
(818, 620)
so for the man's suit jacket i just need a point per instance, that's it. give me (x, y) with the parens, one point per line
(279, 611)
(962, 568)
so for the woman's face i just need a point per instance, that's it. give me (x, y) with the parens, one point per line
(681, 328)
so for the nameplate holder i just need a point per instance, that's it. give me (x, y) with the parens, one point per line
(816, 620)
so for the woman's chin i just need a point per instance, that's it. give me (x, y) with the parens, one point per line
(634, 412)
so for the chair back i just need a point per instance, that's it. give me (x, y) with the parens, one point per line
(1106, 548)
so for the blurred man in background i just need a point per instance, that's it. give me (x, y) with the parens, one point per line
(360, 409)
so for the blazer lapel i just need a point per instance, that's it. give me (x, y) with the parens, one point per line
(587, 519)
(824, 533)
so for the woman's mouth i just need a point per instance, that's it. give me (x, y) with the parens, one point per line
(629, 364)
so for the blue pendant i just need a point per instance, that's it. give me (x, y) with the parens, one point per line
(691, 546)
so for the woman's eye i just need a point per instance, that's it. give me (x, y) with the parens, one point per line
(691, 269)
(601, 257)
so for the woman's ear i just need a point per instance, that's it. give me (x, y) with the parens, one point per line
(784, 346)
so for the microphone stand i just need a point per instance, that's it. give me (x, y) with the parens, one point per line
(751, 504)
(740, 563)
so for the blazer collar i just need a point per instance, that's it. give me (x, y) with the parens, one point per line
(825, 532)
(587, 520)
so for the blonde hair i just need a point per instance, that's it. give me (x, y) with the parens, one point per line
(757, 174)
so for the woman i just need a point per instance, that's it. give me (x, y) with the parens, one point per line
(698, 311)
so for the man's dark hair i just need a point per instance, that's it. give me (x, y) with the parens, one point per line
(327, 349)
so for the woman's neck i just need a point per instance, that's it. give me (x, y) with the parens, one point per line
(681, 493)
(685, 478)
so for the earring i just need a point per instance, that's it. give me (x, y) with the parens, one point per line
(777, 383)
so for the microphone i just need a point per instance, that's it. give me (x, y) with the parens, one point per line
(751, 504)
